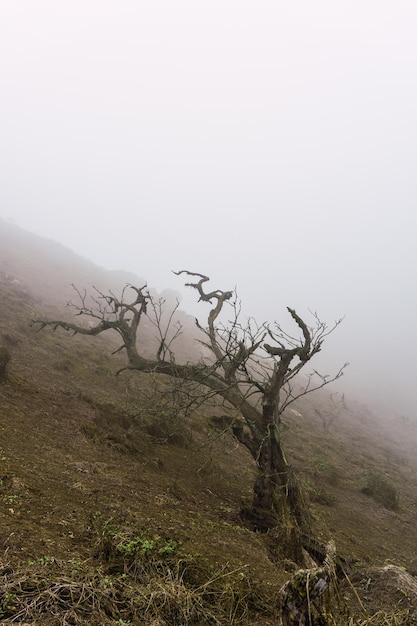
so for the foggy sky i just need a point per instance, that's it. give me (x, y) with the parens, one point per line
(271, 145)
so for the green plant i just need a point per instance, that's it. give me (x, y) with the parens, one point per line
(117, 540)
(11, 499)
(155, 547)
(107, 582)
(43, 560)
(7, 605)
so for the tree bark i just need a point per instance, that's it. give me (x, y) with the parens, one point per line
(276, 496)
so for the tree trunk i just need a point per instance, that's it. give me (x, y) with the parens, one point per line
(277, 500)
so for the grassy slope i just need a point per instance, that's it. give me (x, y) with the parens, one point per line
(69, 450)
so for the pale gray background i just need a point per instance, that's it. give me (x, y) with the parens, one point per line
(269, 144)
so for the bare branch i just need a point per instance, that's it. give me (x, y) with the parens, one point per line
(311, 387)
(163, 332)
(220, 296)
(95, 330)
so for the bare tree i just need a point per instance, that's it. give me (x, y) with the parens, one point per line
(253, 377)
(331, 410)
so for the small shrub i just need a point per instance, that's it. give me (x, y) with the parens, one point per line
(170, 585)
(128, 427)
(126, 545)
(10, 340)
(381, 489)
(63, 365)
(164, 426)
(4, 360)
(322, 470)
(319, 465)
(7, 607)
(319, 494)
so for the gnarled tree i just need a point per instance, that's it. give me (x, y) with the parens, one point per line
(252, 367)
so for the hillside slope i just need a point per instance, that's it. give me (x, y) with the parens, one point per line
(97, 470)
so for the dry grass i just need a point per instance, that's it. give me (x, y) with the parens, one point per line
(150, 594)
(158, 590)
(383, 618)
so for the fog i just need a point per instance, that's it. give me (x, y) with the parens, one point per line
(271, 145)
